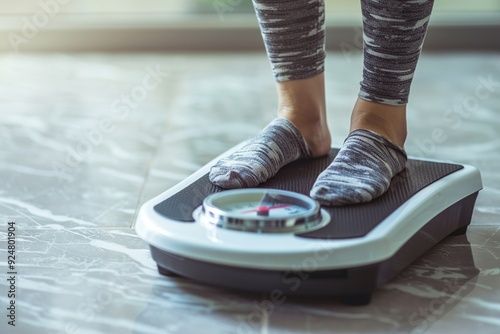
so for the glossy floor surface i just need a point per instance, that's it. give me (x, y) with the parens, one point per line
(85, 139)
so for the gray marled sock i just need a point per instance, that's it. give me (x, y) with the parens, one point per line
(277, 145)
(361, 171)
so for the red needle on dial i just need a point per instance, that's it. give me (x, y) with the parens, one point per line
(264, 208)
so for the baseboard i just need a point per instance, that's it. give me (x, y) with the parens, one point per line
(474, 32)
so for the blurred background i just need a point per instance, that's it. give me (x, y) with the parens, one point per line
(111, 25)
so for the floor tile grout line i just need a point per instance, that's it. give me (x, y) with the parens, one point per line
(155, 156)
(146, 179)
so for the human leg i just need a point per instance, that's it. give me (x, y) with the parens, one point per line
(293, 32)
(373, 152)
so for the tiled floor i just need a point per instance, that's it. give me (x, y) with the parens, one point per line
(77, 160)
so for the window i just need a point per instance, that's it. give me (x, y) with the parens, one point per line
(129, 25)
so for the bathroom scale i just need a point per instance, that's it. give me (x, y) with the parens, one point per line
(275, 239)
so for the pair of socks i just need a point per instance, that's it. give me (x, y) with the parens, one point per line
(361, 171)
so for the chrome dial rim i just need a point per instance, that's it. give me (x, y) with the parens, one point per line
(262, 211)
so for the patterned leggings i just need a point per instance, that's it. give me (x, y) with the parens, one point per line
(393, 34)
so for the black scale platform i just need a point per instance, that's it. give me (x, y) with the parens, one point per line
(349, 221)
(354, 285)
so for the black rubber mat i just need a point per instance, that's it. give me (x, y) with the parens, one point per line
(349, 221)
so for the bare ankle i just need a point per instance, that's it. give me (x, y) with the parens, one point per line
(303, 103)
(386, 120)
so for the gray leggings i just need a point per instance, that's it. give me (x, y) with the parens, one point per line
(393, 34)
